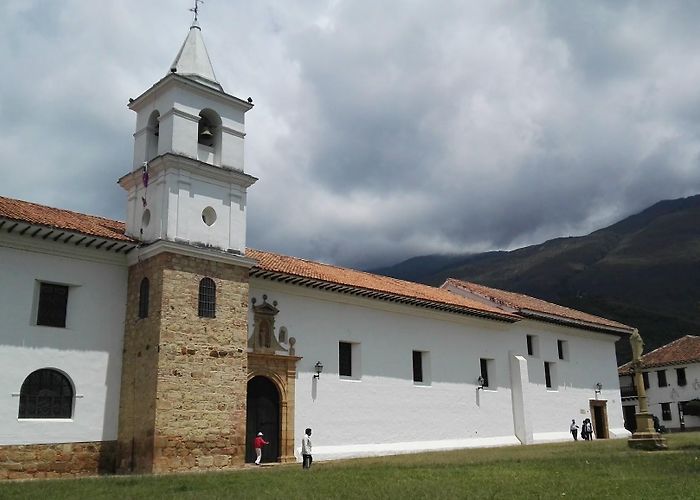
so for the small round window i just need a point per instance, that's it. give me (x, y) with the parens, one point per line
(146, 218)
(209, 216)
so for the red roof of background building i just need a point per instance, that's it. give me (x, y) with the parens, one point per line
(682, 351)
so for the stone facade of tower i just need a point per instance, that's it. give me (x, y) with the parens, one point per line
(184, 372)
(183, 389)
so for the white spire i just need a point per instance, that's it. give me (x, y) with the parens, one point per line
(193, 60)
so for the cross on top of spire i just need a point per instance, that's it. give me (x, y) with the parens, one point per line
(195, 9)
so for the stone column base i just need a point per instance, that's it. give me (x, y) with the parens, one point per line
(651, 441)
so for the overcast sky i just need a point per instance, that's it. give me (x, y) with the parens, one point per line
(381, 129)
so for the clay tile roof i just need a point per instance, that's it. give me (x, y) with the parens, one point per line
(530, 306)
(23, 211)
(293, 266)
(684, 350)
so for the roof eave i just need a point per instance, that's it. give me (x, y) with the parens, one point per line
(552, 318)
(299, 280)
(172, 78)
(58, 234)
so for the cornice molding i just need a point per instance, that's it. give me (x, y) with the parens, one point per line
(174, 161)
(188, 250)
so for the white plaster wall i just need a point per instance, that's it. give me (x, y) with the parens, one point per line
(88, 350)
(673, 394)
(590, 360)
(384, 412)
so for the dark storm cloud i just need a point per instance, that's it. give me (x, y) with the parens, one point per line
(381, 130)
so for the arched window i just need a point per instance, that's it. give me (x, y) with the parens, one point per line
(207, 298)
(46, 393)
(144, 291)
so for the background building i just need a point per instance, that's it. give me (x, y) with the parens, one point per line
(671, 376)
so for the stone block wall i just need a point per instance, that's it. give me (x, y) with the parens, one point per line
(184, 397)
(57, 460)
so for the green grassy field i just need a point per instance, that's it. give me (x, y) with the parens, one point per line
(597, 469)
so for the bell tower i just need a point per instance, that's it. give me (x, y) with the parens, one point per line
(187, 182)
(184, 363)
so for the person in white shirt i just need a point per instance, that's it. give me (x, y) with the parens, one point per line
(574, 429)
(306, 449)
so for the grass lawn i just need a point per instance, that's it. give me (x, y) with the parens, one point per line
(596, 469)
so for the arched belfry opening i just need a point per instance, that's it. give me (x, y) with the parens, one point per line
(209, 137)
(263, 415)
(153, 131)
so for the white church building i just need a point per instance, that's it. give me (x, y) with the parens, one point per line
(164, 344)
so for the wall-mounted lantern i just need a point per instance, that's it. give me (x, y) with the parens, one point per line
(319, 368)
(480, 381)
(598, 388)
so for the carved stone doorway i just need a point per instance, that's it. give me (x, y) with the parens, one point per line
(263, 415)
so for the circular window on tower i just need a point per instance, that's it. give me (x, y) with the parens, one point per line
(209, 216)
(146, 218)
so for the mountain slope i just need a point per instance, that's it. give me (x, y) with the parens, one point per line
(643, 271)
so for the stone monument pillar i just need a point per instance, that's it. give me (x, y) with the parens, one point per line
(645, 437)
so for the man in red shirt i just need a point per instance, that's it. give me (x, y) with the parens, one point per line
(258, 445)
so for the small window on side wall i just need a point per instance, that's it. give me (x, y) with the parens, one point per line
(53, 304)
(533, 347)
(207, 298)
(550, 375)
(645, 378)
(349, 360)
(144, 291)
(680, 377)
(421, 368)
(486, 371)
(345, 359)
(563, 349)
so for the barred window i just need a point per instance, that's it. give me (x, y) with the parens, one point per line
(46, 393)
(666, 411)
(207, 298)
(144, 291)
(53, 302)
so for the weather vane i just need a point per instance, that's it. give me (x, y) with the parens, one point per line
(195, 9)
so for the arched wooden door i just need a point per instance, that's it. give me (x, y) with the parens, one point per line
(263, 415)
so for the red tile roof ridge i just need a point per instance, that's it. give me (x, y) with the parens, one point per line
(59, 218)
(65, 210)
(508, 298)
(385, 284)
